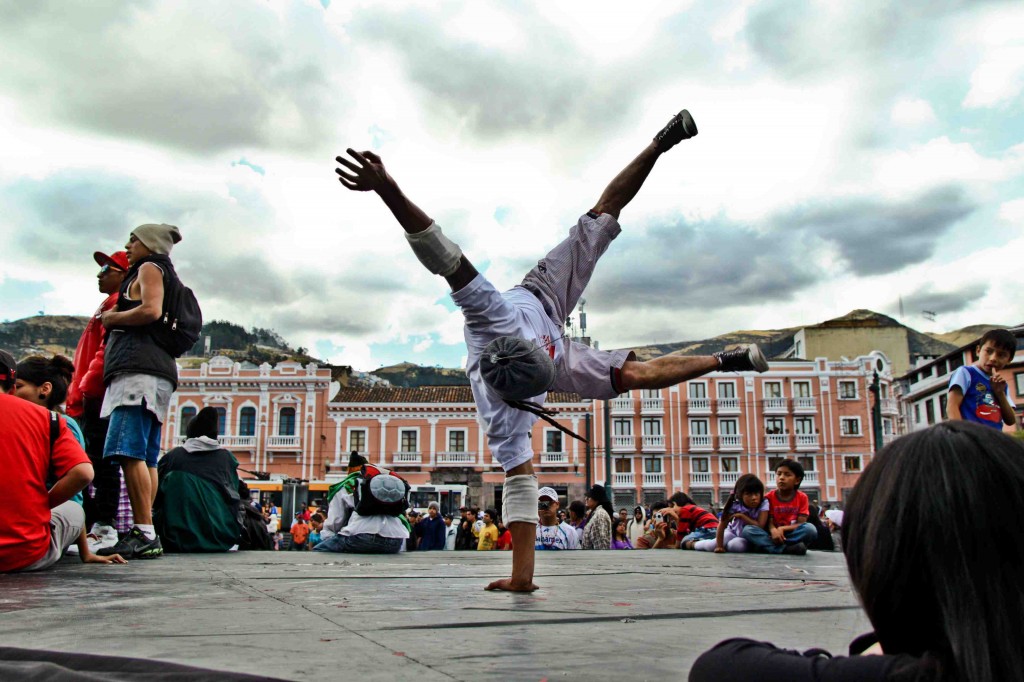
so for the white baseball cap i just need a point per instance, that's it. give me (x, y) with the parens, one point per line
(548, 493)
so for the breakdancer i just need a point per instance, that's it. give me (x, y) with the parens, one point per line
(517, 351)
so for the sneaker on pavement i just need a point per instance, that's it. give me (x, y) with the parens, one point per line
(797, 548)
(680, 127)
(743, 359)
(101, 537)
(135, 545)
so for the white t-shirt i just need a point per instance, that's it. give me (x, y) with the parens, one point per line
(562, 536)
(342, 519)
(449, 536)
(488, 315)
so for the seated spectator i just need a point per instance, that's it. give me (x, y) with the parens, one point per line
(35, 442)
(788, 530)
(694, 523)
(941, 587)
(661, 530)
(746, 505)
(197, 503)
(316, 524)
(552, 533)
(823, 542)
(619, 538)
(356, 527)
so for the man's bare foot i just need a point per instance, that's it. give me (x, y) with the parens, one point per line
(507, 585)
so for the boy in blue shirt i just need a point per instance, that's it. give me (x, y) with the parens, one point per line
(976, 392)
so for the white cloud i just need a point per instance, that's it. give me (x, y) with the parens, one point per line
(1012, 212)
(998, 78)
(911, 112)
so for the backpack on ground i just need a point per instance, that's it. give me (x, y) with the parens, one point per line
(181, 323)
(379, 492)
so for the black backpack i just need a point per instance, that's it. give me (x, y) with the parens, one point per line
(179, 327)
(379, 492)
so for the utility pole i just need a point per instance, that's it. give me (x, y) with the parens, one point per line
(607, 447)
(588, 470)
(876, 411)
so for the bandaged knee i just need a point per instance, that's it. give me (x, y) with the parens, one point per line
(438, 254)
(519, 499)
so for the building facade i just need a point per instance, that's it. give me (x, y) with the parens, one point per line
(291, 421)
(923, 390)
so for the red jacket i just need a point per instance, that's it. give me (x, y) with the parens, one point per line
(87, 381)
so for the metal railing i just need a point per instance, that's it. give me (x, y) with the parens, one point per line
(728, 406)
(623, 443)
(699, 405)
(776, 441)
(654, 443)
(700, 442)
(456, 458)
(732, 441)
(652, 406)
(700, 479)
(623, 480)
(805, 405)
(406, 458)
(654, 479)
(807, 441)
(554, 458)
(283, 442)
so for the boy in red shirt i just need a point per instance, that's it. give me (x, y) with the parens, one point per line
(788, 531)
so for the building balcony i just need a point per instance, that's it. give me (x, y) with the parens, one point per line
(727, 479)
(776, 406)
(728, 406)
(701, 479)
(623, 406)
(732, 442)
(889, 406)
(623, 480)
(238, 442)
(554, 459)
(654, 443)
(810, 478)
(805, 405)
(652, 406)
(654, 479)
(284, 443)
(623, 444)
(406, 459)
(459, 459)
(698, 406)
(776, 442)
(700, 443)
(807, 441)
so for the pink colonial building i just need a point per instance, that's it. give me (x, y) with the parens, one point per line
(698, 437)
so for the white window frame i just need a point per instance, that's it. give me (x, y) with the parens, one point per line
(849, 470)
(660, 465)
(561, 437)
(718, 390)
(735, 423)
(804, 420)
(764, 389)
(779, 420)
(734, 460)
(839, 389)
(448, 439)
(802, 382)
(705, 422)
(616, 421)
(1019, 380)
(707, 465)
(660, 431)
(277, 422)
(842, 429)
(689, 390)
(366, 438)
(407, 429)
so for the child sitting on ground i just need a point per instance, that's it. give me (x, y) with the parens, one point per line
(661, 530)
(746, 506)
(317, 521)
(620, 540)
(693, 523)
(788, 531)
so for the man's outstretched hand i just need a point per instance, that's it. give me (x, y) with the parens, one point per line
(366, 175)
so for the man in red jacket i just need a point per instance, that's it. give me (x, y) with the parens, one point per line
(85, 396)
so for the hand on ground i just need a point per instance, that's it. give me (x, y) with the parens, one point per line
(97, 559)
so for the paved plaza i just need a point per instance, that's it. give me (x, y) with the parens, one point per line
(424, 616)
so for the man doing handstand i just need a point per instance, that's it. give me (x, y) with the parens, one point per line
(515, 340)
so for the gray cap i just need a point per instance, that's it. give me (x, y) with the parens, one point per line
(517, 369)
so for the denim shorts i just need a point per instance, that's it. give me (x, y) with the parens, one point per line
(133, 432)
(363, 543)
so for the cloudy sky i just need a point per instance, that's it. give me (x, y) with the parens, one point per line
(850, 154)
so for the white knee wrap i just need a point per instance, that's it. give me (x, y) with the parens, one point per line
(438, 254)
(519, 499)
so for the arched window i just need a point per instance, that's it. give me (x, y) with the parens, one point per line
(222, 420)
(286, 422)
(187, 415)
(247, 422)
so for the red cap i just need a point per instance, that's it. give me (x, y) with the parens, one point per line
(117, 260)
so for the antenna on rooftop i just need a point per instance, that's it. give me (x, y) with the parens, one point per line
(928, 315)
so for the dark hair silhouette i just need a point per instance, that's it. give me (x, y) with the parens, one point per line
(57, 370)
(1003, 339)
(681, 499)
(939, 580)
(747, 483)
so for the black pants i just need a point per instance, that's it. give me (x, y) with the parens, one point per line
(102, 506)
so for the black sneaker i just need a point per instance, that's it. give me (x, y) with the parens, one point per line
(135, 545)
(743, 359)
(798, 548)
(680, 128)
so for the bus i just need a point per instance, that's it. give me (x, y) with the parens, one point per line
(449, 497)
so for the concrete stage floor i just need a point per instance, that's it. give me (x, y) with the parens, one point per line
(633, 615)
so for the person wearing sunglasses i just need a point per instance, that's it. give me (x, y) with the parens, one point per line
(85, 396)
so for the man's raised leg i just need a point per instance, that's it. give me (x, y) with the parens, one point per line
(670, 370)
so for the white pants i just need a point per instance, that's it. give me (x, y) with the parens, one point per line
(731, 542)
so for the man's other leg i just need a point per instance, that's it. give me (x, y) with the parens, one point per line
(670, 370)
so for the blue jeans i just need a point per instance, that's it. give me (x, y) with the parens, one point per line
(762, 540)
(698, 535)
(364, 543)
(133, 432)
